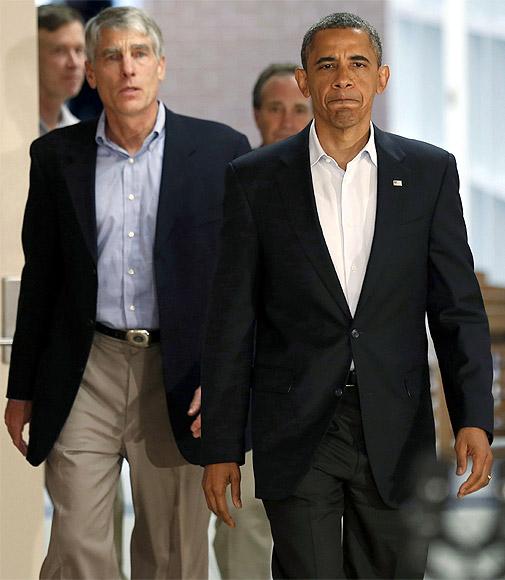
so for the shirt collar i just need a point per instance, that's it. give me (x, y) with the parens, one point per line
(159, 127)
(66, 118)
(316, 151)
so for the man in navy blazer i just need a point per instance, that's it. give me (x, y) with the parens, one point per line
(119, 235)
(337, 242)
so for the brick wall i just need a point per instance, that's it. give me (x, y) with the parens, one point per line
(215, 50)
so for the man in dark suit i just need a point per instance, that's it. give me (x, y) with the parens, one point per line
(119, 235)
(337, 242)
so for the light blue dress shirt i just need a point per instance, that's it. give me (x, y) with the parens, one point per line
(126, 197)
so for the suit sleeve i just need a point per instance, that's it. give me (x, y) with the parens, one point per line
(243, 147)
(228, 348)
(456, 315)
(39, 284)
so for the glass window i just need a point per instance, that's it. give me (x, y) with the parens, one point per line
(419, 107)
(416, 89)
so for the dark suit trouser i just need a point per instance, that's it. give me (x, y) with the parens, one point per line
(336, 525)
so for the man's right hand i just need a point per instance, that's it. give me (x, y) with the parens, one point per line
(216, 479)
(17, 415)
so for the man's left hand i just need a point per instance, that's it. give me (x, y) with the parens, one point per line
(194, 409)
(473, 442)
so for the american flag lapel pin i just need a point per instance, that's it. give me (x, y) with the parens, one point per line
(397, 182)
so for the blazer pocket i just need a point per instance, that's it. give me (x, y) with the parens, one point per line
(415, 381)
(272, 379)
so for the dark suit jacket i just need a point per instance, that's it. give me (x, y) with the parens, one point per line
(274, 267)
(57, 303)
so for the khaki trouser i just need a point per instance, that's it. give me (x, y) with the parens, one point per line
(120, 412)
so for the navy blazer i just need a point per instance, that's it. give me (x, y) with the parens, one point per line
(275, 268)
(57, 303)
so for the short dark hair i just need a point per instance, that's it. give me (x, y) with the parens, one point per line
(341, 20)
(54, 16)
(272, 70)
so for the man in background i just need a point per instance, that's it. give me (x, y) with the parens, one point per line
(61, 64)
(280, 111)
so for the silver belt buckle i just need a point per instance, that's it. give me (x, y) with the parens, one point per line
(138, 338)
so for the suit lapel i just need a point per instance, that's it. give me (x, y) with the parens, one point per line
(178, 148)
(79, 168)
(391, 170)
(295, 184)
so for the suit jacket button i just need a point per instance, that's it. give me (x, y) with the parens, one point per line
(355, 333)
(91, 322)
(338, 392)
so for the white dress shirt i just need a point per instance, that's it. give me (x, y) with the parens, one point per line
(66, 119)
(346, 204)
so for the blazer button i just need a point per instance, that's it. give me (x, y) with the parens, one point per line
(355, 333)
(338, 392)
(91, 322)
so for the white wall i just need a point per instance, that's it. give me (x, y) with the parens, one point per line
(21, 505)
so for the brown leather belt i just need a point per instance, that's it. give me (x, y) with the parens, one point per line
(139, 337)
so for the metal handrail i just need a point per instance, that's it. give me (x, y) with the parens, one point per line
(7, 341)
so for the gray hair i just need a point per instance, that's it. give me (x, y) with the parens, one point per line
(273, 70)
(122, 17)
(53, 16)
(341, 20)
